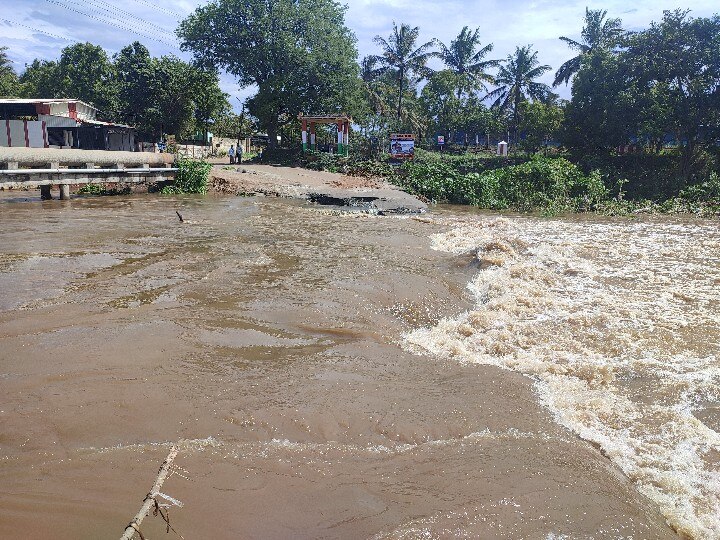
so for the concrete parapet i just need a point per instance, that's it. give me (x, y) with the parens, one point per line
(41, 157)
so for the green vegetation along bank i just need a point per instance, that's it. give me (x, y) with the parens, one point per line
(528, 183)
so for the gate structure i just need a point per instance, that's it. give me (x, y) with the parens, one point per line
(342, 121)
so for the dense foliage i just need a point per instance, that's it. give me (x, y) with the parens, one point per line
(191, 177)
(8, 77)
(522, 183)
(299, 53)
(155, 95)
(549, 185)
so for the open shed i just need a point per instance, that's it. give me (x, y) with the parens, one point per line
(342, 121)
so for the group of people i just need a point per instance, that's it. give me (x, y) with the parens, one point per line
(235, 155)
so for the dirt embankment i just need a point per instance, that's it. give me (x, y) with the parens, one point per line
(322, 187)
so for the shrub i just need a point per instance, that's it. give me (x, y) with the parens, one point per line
(191, 177)
(552, 185)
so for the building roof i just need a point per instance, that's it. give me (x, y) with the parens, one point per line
(325, 118)
(108, 124)
(34, 101)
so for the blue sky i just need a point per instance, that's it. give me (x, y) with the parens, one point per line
(41, 28)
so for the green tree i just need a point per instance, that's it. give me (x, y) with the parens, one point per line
(173, 107)
(597, 33)
(136, 85)
(231, 125)
(166, 94)
(9, 85)
(41, 79)
(441, 103)
(467, 61)
(675, 65)
(210, 101)
(516, 83)
(83, 72)
(299, 53)
(86, 73)
(402, 58)
(540, 124)
(601, 114)
(378, 114)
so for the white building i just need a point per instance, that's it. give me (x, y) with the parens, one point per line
(60, 123)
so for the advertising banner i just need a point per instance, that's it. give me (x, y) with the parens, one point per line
(402, 145)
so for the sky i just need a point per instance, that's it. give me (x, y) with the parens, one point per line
(41, 28)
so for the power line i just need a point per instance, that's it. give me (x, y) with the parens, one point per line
(110, 9)
(39, 31)
(112, 20)
(158, 8)
(133, 31)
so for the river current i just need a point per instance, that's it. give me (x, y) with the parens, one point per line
(618, 324)
(338, 375)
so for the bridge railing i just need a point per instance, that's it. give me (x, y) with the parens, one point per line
(28, 168)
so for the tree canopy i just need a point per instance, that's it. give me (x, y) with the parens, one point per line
(298, 53)
(8, 77)
(155, 95)
(516, 82)
(466, 58)
(597, 33)
(403, 58)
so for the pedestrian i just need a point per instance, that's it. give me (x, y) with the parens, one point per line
(239, 154)
(231, 154)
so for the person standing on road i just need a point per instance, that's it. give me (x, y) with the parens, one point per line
(231, 154)
(239, 154)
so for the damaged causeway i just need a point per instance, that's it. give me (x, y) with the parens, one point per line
(383, 202)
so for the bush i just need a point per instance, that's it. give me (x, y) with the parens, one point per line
(191, 177)
(649, 176)
(552, 185)
(353, 165)
(100, 189)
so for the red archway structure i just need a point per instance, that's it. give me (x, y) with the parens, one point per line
(342, 121)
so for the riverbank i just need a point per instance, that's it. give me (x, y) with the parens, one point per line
(532, 183)
(359, 193)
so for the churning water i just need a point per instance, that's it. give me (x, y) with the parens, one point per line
(618, 324)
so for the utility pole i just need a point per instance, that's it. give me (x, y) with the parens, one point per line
(240, 125)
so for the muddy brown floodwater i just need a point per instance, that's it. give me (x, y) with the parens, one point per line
(321, 372)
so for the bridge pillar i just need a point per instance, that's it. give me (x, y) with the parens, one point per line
(64, 192)
(45, 194)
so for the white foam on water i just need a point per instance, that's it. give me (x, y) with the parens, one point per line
(183, 445)
(618, 323)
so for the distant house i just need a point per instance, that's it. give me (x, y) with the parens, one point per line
(60, 123)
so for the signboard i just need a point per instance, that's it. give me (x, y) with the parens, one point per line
(402, 145)
(441, 139)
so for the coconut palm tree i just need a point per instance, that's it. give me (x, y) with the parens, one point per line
(467, 61)
(598, 33)
(400, 55)
(516, 82)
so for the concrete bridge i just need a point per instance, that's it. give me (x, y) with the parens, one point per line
(32, 168)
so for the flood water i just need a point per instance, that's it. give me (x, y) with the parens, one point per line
(330, 375)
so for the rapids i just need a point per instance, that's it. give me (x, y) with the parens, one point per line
(618, 324)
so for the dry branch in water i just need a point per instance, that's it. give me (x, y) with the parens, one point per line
(150, 501)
